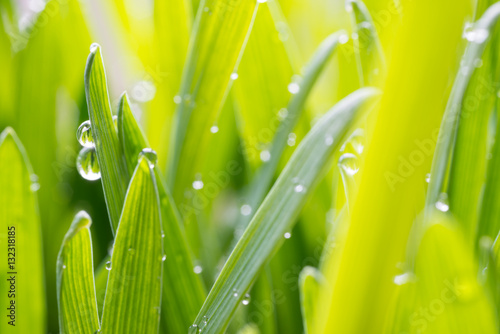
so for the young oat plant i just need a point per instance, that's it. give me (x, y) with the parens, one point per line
(232, 206)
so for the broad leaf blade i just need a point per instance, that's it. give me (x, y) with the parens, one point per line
(133, 294)
(113, 171)
(75, 279)
(183, 292)
(278, 212)
(21, 240)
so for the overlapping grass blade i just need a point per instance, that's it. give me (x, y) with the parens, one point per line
(113, 170)
(370, 57)
(454, 109)
(183, 292)
(361, 269)
(219, 35)
(468, 168)
(75, 279)
(310, 281)
(21, 240)
(277, 214)
(447, 296)
(133, 293)
(264, 176)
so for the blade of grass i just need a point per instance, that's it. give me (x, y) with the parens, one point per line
(21, 240)
(310, 281)
(75, 279)
(367, 46)
(219, 36)
(113, 170)
(264, 176)
(277, 214)
(183, 291)
(453, 112)
(445, 286)
(133, 294)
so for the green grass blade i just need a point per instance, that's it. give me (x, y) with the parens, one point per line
(75, 279)
(454, 113)
(101, 281)
(278, 212)
(219, 36)
(310, 281)
(265, 174)
(446, 293)
(133, 294)
(113, 170)
(367, 47)
(183, 291)
(468, 167)
(19, 216)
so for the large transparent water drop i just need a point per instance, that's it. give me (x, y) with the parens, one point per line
(84, 135)
(348, 164)
(87, 165)
(151, 155)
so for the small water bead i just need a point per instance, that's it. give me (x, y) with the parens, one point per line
(246, 210)
(151, 155)
(291, 139)
(235, 293)
(265, 155)
(428, 177)
(84, 134)
(193, 329)
(299, 188)
(197, 269)
(64, 266)
(108, 265)
(328, 140)
(261, 1)
(403, 278)
(442, 204)
(34, 186)
(198, 184)
(177, 99)
(246, 299)
(293, 88)
(283, 113)
(365, 25)
(349, 164)
(343, 39)
(477, 36)
(164, 257)
(214, 129)
(163, 235)
(87, 165)
(93, 47)
(287, 235)
(234, 76)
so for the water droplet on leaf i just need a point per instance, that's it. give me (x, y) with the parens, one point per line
(84, 135)
(246, 210)
(108, 265)
(87, 165)
(149, 154)
(246, 299)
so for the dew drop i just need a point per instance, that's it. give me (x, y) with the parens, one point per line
(442, 204)
(234, 76)
(343, 39)
(246, 299)
(477, 36)
(403, 278)
(150, 155)
(93, 47)
(214, 129)
(246, 210)
(198, 184)
(348, 163)
(293, 88)
(164, 257)
(428, 177)
(193, 329)
(291, 139)
(283, 113)
(265, 155)
(87, 165)
(287, 235)
(235, 293)
(64, 266)
(197, 269)
(84, 135)
(261, 1)
(163, 235)
(328, 140)
(177, 99)
(108, 265)
(299, 188)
